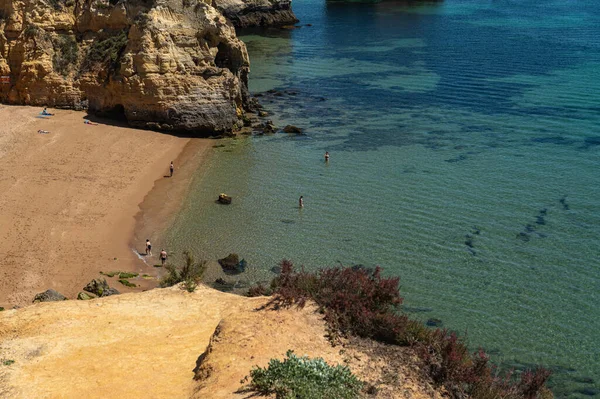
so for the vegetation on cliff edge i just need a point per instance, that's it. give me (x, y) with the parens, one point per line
(190, 273)
(359, 301)
(302, 377)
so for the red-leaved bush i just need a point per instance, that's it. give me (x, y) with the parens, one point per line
(359, 301)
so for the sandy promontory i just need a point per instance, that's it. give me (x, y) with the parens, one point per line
(68, 199)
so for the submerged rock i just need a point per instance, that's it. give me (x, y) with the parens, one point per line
(49, 296)
(433, 322)
(292, 129)
(232, 264)
(230, 261)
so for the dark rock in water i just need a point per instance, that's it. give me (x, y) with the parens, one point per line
(224, 199)
(457, 159)
(543, 211)
(523, 236)
(540, 220)
(433, 322)
(292, 129)
(583, 380)
(530, 228)
(268, 127)
(588, 391)
(276, 269)
(49, 296)
(469, 241)
(100, 288)
(223, 285)
(230, 261)
(553, 140)
(232, 264)
(263, 114)
(563, 201)
(591, 142)
(288, 221)
(410, 309)
(307, 24)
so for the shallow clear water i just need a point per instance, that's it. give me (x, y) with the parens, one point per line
(465, 145)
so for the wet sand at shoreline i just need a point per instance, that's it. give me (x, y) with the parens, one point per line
(162, 203)
(69, 199)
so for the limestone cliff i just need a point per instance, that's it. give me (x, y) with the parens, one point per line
(165, 64)
(255, 13)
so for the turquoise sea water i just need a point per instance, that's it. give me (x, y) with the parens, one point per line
(465, 148)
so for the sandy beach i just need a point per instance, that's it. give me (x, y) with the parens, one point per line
(69, 199)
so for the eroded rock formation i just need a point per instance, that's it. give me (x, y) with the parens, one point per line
(254, 13)
(163, 64)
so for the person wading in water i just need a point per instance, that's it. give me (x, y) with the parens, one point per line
(163, 257)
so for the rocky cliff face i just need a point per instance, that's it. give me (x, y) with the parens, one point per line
(254, 13)
(164, 64)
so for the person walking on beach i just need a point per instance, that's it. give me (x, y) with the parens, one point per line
(301, 202)
(148, 248)
(171, 169)
(326, 156)
(163, 257)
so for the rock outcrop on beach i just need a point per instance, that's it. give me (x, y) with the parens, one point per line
(174, 65)
(49, 296)
(254, 13)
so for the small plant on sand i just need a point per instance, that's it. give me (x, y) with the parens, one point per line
(126, 283)
(189, 274)
(127, 275)
(301, 377)
(7, 362)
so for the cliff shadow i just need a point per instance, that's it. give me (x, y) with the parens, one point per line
(116, 117)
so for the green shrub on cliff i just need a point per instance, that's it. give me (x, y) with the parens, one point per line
(360, 301)
(189, 274)
(106, 52)
(301, 377)
(66, 53)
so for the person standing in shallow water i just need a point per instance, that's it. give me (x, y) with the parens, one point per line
(148, 248)
(163, 257)
(171, 169)
(326, 156)
(301, 202)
